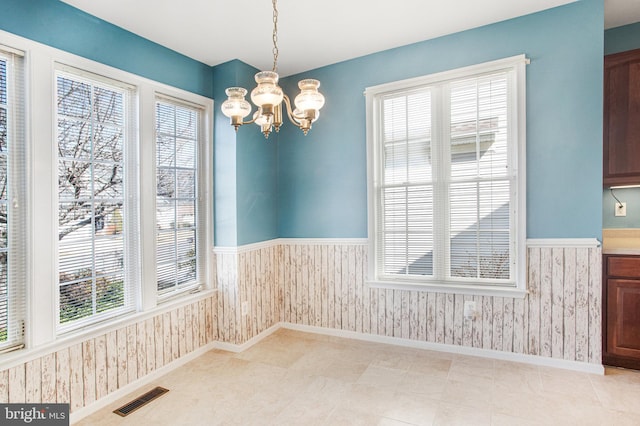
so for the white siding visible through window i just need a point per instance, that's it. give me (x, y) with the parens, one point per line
(444, 188)
(177, 136)
(407, 191)
(481, 184)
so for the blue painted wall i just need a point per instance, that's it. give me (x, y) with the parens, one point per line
(224, 169)
(257, 185)
(622, 38)
(617, 40)
(59, 25)
(322, 177)
(245, 169)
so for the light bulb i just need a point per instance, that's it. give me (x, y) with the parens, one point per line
(264, 121)
(236, 105)
(261, 119)
(309, 97)
(267, 93)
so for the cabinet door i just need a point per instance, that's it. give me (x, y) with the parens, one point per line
(623, 318)
(621, 123)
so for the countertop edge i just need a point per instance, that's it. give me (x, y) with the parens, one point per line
(622, 251)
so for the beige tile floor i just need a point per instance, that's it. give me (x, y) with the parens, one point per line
(294, 378)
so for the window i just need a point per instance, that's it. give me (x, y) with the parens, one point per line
(446, 169)
(97, 225)
(13, 208)
(179, 255)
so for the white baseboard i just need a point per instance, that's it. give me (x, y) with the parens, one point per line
(455, 349)
(131, 387)
(232, 347)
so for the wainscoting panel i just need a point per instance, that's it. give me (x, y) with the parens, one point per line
(249, 293)
(87, 371)
(324, 285)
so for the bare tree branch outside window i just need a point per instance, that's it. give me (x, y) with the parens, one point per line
(91, 197)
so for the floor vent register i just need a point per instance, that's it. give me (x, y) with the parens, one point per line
(140, 401)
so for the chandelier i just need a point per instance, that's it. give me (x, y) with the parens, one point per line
(268, 96)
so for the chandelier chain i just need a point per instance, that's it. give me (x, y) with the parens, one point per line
(275, 37)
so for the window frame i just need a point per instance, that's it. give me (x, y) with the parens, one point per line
(517, 135)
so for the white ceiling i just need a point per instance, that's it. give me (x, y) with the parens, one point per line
(311, 35)
(621, 12)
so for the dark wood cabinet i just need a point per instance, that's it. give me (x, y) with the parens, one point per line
(621, 125)
(621, 304)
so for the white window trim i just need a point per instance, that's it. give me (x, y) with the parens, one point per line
(518, 63)
(40, 65)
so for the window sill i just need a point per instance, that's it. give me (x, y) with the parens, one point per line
(436, 287)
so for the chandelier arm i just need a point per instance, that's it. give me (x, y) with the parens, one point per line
(249, 122)
(242, 123)
(292, 117)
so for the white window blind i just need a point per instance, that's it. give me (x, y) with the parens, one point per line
(481, 183)
(97, 220)
(406, 193)
(179, 222)
(445, 188)
(13, 205)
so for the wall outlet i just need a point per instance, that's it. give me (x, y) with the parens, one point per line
(470, 310)
(245, 308)
(620, 209)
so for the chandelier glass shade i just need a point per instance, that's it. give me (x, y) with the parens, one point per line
(269, 98)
